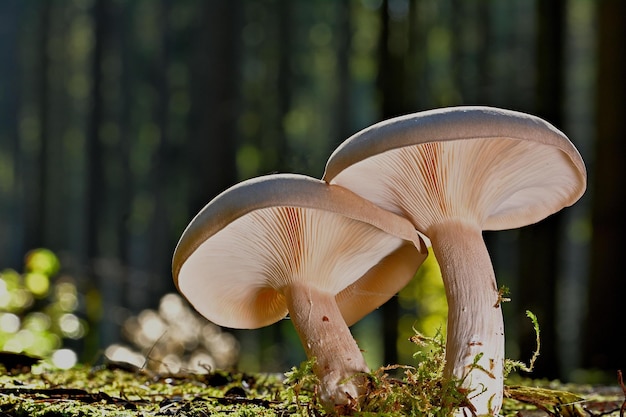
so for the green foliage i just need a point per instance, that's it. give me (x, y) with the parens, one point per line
(425, 304)
(422, 390)
(503, 293)
(512, 365)
(42, 261)
(299, 394)
(37, 308)
(553, 402)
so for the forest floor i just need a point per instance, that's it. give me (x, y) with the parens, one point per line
(113, 390)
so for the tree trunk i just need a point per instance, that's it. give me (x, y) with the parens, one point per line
(392, 85)
(213, 132)
(36, 196)
(540, 260)
(343, 107)
(95, 163)
(11, 214)
(607, 287)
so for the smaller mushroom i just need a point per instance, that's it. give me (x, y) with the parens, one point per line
(288, 243)
(455, 172)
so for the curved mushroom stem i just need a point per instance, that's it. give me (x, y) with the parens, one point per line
(325, 336)
(475, 324)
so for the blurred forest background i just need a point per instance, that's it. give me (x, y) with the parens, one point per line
(120, 119)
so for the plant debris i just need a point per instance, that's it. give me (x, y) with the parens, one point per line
(419, 390)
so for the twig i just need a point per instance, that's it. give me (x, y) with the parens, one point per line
(69, 394)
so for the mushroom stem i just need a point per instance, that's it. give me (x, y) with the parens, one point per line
(475, 324)
(326, 337)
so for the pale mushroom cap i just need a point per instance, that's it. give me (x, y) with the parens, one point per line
(499, 168)
(257, 237)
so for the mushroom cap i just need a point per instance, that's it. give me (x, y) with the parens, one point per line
(499, 168)
(244, 247)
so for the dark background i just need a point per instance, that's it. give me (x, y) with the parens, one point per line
(120, 119)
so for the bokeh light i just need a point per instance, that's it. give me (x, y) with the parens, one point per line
(173, 339)
(38, 309)
(64, 358)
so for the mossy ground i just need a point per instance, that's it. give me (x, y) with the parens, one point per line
(111, 390)
(108, 392)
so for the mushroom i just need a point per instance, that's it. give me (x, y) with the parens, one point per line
(288, 243)
(455, 172)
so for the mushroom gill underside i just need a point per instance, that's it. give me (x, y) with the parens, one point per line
(245, 266)
(499, 183)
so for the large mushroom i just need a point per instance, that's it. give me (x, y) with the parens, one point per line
(289, 243)
(455, 172)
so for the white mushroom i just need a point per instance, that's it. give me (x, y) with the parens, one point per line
(293, 244)
(455, 172)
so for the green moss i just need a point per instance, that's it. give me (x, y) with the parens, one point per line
(418, 390)
(115, 392)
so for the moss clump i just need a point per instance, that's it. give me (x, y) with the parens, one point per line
(397, 390)
(419, 390)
